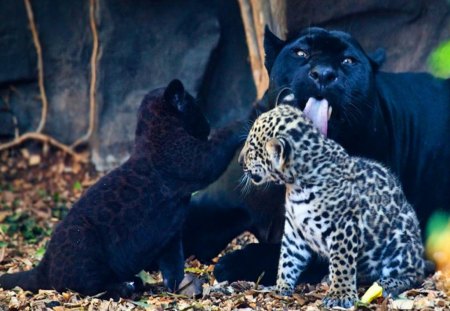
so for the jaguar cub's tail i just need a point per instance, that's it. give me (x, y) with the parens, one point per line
(27, 280)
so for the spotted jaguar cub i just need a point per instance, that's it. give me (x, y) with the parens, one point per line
(347, 209)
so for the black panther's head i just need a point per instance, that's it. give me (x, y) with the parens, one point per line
(326, 73)
(194, 121)
(172, 110)
(170, 126)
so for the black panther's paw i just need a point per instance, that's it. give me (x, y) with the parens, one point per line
(205, 237)
(249, 264)
(119, 290)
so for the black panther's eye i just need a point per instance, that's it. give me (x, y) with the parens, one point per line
(349, 60)
(300, 53)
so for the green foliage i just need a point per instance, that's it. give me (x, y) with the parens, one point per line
(437, 223)
(439, 60)
(77, 186)
(39, 253)
(56, 197)
(195, 270)
(60, 211)
(141, 303)
(6, 187)
(24, 224)
(146, 278)
(42, 193)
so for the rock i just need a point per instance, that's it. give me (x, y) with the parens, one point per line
(409, 30)
(148, 59)
(7, 127)
(203, 44)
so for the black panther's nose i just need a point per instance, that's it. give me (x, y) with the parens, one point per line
(323, 75)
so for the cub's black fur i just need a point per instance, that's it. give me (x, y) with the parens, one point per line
(399, 119)
(131, 219)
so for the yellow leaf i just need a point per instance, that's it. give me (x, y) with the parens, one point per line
(372, 293)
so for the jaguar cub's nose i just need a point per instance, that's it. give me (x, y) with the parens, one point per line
(323, 75)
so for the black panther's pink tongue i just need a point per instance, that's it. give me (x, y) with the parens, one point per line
(318, 112)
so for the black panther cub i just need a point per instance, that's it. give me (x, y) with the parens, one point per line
(131, 219)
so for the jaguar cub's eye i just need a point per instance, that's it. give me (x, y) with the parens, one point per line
(349, 60)
(301, 53)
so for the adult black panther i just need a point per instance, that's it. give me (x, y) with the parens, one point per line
(402, 120)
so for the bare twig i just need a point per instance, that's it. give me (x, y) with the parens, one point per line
(94, 58)
(259, 280)
(40, 65)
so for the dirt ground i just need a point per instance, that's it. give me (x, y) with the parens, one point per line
(37, 190)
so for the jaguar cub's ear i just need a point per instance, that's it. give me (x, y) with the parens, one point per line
(279, 150)
(174, 95)
(272, 47)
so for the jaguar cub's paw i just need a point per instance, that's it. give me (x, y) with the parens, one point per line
(285, 290)
(339, 300)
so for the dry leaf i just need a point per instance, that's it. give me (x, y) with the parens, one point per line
(8, 197)
(34, 159)
(403, 304)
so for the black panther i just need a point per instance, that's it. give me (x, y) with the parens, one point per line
(399, 119)
(131, 219)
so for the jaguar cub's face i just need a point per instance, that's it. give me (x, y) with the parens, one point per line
(273, 143)
(253, 157)
(329, 67)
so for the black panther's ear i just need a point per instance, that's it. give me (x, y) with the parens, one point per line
(174, 94)
(377, 58)
(279, 150)
(272, 47)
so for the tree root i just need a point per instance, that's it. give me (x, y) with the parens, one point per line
(94, 58)
(45, 139)
(40, 65)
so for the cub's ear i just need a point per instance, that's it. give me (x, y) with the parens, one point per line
(272, 47)
(279, 150)
(377, 58)
(174, 94)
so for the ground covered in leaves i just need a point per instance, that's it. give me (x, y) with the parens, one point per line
(37, 190)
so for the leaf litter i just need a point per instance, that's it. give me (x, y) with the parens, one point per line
(37, 190)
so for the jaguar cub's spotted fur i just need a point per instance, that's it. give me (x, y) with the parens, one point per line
(347, 209)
